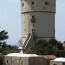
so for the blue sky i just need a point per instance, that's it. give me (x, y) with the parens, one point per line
(60, 20)
(10, 20)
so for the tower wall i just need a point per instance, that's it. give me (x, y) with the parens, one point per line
(38, 16)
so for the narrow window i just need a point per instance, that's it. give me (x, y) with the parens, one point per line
(32, 3)
(7, 61)
(33, 17)
(46, 3)
(33, 20)
(22, 4)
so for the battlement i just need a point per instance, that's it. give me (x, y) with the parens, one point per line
(38, 5)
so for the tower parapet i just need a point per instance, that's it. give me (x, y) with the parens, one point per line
(38, 5)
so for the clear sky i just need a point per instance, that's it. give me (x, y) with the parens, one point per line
(10, 20)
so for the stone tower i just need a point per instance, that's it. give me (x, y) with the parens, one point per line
(38, 20)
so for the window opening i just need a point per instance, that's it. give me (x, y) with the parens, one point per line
(46, 3)
(33, 20)
(33, 17)
(22, 4)
(7, 61)
(32, 3)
